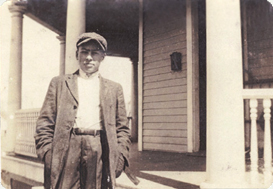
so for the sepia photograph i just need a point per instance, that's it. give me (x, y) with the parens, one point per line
(136, 94)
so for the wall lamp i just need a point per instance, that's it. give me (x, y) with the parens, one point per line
(176, 64)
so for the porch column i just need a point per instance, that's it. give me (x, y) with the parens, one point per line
(134, 100)
(62, 54)
(15, 72)
(225, 118)
(75, 25)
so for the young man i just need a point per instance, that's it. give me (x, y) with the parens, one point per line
(82, 134)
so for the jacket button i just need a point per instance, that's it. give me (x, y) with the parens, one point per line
(75, 107)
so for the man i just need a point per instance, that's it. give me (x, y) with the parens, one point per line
(82, 134)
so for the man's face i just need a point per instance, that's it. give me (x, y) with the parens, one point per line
(89, 57)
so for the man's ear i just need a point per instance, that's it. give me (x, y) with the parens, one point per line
(77, 54)
(104, 54)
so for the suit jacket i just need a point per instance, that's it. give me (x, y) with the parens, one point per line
(57, 119)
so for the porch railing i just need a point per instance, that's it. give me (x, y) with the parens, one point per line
(25, 130)
(265, 96)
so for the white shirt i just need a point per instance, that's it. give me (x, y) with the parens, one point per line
(88, 114)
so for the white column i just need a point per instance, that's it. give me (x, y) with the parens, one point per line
(225, 118)
(62, 54)
(134, 100)
(15, 72)
(75, 25)
(193, 122)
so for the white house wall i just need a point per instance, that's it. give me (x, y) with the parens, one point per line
(164, 91)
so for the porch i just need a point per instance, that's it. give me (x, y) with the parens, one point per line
(155, 169)
(225, 165)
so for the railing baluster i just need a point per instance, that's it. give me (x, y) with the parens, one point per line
(267, 143)
(26, 124)
(254, 142)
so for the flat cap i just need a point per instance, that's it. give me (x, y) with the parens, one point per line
(85, 37)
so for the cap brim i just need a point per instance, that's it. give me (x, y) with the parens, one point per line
(89, 39)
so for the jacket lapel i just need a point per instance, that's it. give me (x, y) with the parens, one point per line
(103, 89)
(72, 85)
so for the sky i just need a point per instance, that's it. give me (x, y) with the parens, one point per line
(41, 52)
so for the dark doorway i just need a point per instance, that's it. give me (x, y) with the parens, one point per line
(202, 71)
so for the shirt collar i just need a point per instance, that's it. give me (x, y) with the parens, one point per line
(85, 76)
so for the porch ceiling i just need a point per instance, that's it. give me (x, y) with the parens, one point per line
(116, 20)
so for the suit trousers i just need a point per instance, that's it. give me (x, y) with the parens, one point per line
(83, 168)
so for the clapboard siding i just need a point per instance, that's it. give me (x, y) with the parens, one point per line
(263, 44)
(164, 76)
(166, 83)
(167, 90)
(162, 70)
(169, 25)
(157, 62)
(164, 140)
(166, 35)
(166, 42)
(163, 57)
(172, 111)
(259, 40)
(165, 119)
(165, 147)
(164, 98)
(262, 72)
(262, 61)
(166, 104)
(166, 127)
(164, 91)
(164, 133)
(165, 50)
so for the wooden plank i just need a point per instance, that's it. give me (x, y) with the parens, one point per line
(165, 76)
(163, 36)
(161, 63)
(165, 147)
(165, 98)
(178, 46)
(168, 104)
(262, 62)
(165, 133)
(167, 83)
(172, 111)
(164, 140)
(157, 64)
(264, 71)
(162, 70)
(156, 30)
(262, 44)
(165, 55)
(166, 42)
(165, 119)
(261, 54)
(166, 126)
(262, 34)
(167, 90)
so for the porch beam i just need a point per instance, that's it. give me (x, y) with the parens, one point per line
(225, 118)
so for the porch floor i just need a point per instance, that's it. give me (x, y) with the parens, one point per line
(164, 170)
